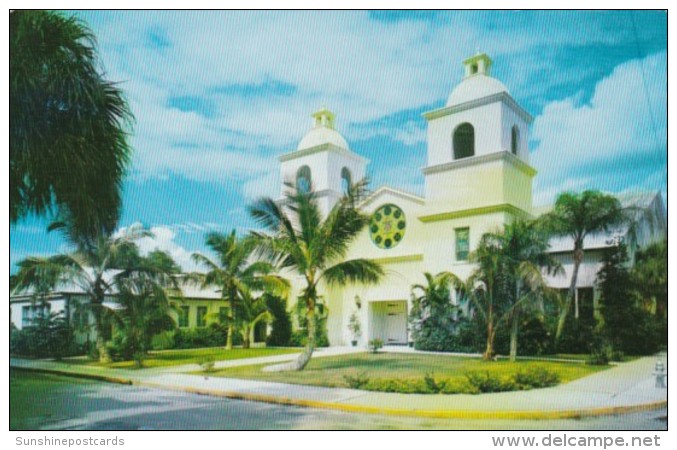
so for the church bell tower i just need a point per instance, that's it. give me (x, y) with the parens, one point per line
(478, 155)
(322, 162)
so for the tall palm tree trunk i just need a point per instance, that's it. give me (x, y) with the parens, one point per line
(229, 336)
(514, 326)
(101, 347)
(246, 336)
(578, 259)
(304, 359)
(491, 333)
(514, 330)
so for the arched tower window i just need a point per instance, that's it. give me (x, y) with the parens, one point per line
(346, 180)
(303, 179)
(515, 140)
(464, 141)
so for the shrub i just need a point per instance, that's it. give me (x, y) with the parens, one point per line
(467, 336)
(119, 348)
(281, 332)
(535, 378)
(458, 386)
(375, 345)
(213, 335)
(473, 383)
(577, 336)
(486, 382)
(354, 326)
(397, 385)
(357, 381)
(207, 364)
(427, 385)
(49, 337)
(433, 385)
(163, 340)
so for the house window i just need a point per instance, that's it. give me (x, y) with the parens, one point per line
(30, 313)
(515, 140)
(201, 316)
(303, 180)
(25, 316)
(184, 316)
(346, 180)
(464, 141)
(462, 243)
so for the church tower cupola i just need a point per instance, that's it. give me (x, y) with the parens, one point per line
(478, 143)
(480, 64)
(323, 118)
(322, 162)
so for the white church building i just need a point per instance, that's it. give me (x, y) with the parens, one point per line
(477, 178)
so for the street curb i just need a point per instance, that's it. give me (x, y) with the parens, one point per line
(88, 376)
(345, 407)
(437, 414)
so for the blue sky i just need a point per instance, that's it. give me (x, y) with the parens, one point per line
(218, 96)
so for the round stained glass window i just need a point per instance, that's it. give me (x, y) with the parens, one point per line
(387, 226)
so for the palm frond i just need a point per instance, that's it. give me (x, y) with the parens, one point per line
(354, 271)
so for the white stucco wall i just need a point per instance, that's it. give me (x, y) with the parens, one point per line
(509, 118)
(56, 305)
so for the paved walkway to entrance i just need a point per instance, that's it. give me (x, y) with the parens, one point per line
(626, 387)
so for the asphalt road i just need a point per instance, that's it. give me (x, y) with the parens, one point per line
(43, 402)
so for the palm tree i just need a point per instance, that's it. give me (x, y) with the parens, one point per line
(143, 298)
(235, 272)
(68, 126)
(300, 239)
(88, 268)
(488, 288)
(578, 215)
(250, 310)
(523, 249)
(432, 309)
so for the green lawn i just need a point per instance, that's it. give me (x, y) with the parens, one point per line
(167, 358)
(54, 392)
(330, 371)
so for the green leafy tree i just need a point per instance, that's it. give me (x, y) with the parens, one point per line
(281, 332)
(88, 268)
(236, 273)
(488, 289)
(68, 125)
(523, 248)
(508, 279)
(628, 327)
(577, 216)
(301, 240)
(433, 317)
(650, 275)
(250, 310)
(143, 308)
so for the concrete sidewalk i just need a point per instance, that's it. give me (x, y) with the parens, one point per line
(627, 387)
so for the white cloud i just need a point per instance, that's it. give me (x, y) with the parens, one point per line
(610, 138)
(360, 68)
(163, 238)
